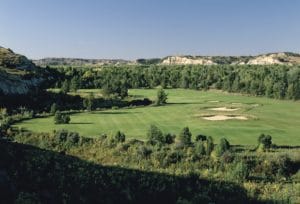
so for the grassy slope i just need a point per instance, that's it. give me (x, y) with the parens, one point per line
(279, 118)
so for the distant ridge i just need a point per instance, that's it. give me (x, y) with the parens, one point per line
(280, 58)
(78, 62)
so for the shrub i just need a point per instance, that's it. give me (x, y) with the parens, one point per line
(199, 149)
(185, 136)
(53, 109)
(200, 138)
(240, 171)
(60, 118)
(169, 138)
(285, 166)
(66, 138)
(161, 97)
(222, 147)
(143, 152)
(155, 135)
(209, 145)
(120, 137)
(264, 142)
(173, 157)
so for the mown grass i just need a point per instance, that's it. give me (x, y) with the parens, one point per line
(279, 118)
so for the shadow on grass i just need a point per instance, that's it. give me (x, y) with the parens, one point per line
(80, 123)
(52, 177)
(114, 112)
(184, 103)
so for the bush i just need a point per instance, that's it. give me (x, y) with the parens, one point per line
(264, 142)
(120, 137)
(169, 138)
(161, 97)
(185, 137)
(66, 138)
(155, 135)
(209, 145)
(143, 152)
(240, 171)
(222, 147)
(53, 109)
(199, 149)
(60, 118)
(200, 138)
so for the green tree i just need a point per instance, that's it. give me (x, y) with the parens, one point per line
(200, 148)
(155, 135)
(88, 103)
(161, 97)
(53, 109)
(60, 118)
(185, 136)
(75, 84)
(65, 88)
(222, 147)
(120, 137)
(209, 145)
(264, 142)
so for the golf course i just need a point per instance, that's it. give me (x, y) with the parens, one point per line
(239, 118)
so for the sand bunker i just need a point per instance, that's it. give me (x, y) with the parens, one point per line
(213, 101)
(224, 117)
(224, 109)
(236, 103)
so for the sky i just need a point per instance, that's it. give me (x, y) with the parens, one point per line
(131, 29)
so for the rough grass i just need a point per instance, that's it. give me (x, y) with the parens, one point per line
(279, 118)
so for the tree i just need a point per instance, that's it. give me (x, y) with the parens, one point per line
(155, 135)
(53, 109)
(185, 136)
(222, 147)
(65, 88)
(60, 118)
(264, 142)
(200, 138)
(88, 103)
(120, 137)
(169, 138)
(209, 145)
(161, 97)
(75, 84)
(199, 148)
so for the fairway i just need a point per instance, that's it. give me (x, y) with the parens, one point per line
(280, 119)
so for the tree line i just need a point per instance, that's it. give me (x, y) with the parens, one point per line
(274, 81)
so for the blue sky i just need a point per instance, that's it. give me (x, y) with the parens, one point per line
(131, 29)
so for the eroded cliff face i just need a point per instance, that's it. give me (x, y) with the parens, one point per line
(17, 73)
(276, 58)
(281, 58)
(10, 85)
(182, 60)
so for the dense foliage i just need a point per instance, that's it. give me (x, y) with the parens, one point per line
(275, 81)
(170, 173)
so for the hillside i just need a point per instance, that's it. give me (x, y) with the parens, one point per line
(18, 75)
(282, 58)
(77, 62)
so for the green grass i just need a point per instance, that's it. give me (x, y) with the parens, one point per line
(279, 118)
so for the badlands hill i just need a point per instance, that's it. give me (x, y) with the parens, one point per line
(18, 75)
(78, 62)
(283, 58)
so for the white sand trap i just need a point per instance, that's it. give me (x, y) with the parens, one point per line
(213, 101)
(255, 105)
(224, 117)
(224, 109)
